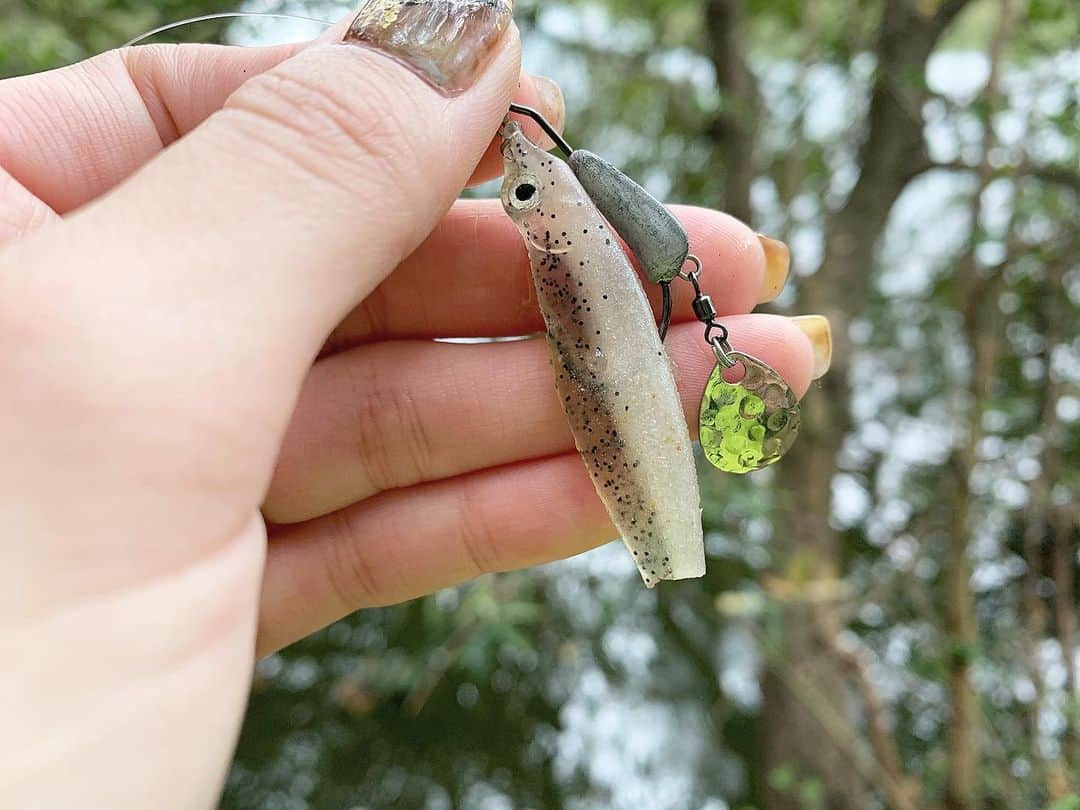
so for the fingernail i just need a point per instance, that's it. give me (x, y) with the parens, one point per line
(448, 42)
(777, 265)
(551, 100)
(816, 327)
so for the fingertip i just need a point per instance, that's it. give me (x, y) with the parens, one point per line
(732, 257)
(546, 97)
(819, 332)
(796, 360)
(541, 94)
(779, 342)
(182, 85)
(552, 102)
(775, 340)
(777, 268)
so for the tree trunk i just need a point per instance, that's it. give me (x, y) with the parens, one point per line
(1065, 621)
(961, 784)
(735, 128)
(981, 331)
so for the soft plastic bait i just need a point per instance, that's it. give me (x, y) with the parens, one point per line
(611, 371)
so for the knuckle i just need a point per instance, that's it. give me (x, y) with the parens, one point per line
(393, 445)
(352, 578)
(151, 59)
(302, 117)
(149, 70)
(477, 530)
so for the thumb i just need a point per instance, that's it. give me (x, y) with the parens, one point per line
(253, 235)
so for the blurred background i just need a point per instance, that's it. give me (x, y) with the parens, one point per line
(890, 615)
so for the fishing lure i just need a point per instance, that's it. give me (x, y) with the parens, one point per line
(613, 376)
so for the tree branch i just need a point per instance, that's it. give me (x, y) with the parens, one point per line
(902, 793)
(980, 326)
(1056, 175)
(697, 658)
(838, 728)
(947, 12)
(735, 125)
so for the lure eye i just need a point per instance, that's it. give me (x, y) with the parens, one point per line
(524, 194)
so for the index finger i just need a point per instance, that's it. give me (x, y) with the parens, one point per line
(73, 133)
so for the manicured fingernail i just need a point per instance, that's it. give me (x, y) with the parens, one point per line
(817, 329)
(448, 42)
(777, 265)
(551, 100)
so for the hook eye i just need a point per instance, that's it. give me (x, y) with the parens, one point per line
(524, 193)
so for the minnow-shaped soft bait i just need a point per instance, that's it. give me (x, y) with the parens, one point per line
(611, 371)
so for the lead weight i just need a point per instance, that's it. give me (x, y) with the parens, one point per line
(653, 234)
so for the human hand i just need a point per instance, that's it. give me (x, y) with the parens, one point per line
(240, 325)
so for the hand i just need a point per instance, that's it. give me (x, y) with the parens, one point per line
(239, 325)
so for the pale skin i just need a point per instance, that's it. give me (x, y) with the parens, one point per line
(224, 424)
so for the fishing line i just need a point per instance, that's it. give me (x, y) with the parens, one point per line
(224, 15)
(535, 115)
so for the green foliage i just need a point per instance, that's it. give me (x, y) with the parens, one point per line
(803, 793)
(46, 33)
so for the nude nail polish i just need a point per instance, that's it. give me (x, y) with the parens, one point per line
(777, 267)
(447, 42)
(816, 327)
(551, 100)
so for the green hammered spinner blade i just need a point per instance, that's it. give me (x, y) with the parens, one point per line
(747, 425)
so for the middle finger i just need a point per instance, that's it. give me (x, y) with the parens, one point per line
(471, 278)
